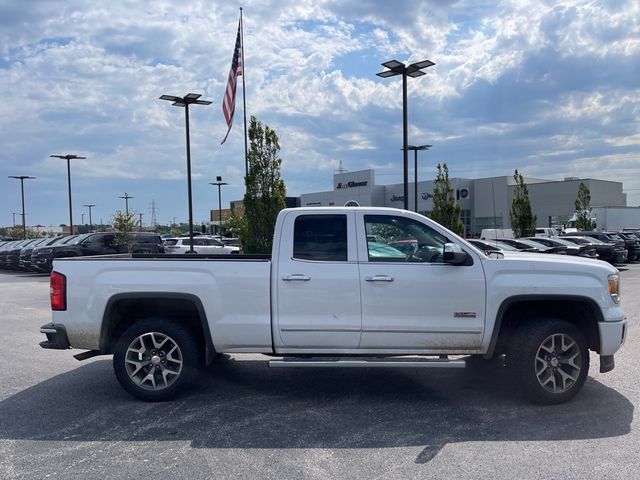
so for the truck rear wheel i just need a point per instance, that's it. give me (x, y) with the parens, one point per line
(549, 360)
(155, 358)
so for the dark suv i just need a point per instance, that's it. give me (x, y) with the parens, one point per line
(103, 243)
(612, 238)
(632, 243)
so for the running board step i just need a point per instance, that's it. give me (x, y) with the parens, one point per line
(366, 363)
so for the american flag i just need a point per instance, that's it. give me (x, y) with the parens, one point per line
(229, 102)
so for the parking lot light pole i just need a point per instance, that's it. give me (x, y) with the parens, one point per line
(415, 170)
(22, 178)
(219, 183)
(68, 158)
(413, 70)
(89, 206)
(188, 99)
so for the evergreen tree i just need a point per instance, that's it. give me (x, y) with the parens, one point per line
(265, 194)
(445, 209)
(123, 223)
(523, 221)
(583, 208)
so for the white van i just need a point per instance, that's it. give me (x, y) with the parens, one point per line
(496, 233)
(546, 232)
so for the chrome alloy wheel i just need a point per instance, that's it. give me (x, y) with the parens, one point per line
(153, 361)
(558, 363)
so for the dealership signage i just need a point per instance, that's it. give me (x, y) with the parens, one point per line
(397, 198)
(351, 184)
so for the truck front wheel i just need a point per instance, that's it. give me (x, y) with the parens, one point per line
(155, 358)
(549, 360)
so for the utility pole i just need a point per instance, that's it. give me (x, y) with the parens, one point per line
(154, 220)
(126, 202)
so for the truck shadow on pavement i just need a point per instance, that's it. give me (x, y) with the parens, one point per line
(244, 404)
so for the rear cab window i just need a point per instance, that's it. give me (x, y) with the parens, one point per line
(321, 238)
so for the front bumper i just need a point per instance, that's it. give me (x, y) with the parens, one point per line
(621, 256)
(56, 337)
(612, 336)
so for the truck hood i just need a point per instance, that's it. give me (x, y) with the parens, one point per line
(551, 262)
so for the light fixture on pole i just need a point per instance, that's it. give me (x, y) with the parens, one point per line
(219, 183)
(22, 178)
(90, 205)
(68, 158)
(188, 99)
(126, 198)
(415, 170)
(413, 70)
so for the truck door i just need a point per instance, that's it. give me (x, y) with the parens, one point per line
(411, 299)
(318, 284)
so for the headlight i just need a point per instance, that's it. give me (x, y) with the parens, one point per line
(614, 287)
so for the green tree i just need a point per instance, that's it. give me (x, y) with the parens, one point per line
(234, 224)
(265, 190)
(523, 221)
(583, 208)
(445, 209)
(124, 223)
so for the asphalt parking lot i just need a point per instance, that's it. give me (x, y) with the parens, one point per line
(60, 418)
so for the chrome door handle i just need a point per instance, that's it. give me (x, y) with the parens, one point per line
(296, 277)
(379, 278)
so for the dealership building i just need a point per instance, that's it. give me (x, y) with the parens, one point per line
(485, 202)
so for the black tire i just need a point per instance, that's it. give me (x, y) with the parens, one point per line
(155, 359)
(539, 364)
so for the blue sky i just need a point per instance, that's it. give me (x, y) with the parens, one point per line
(550, 88)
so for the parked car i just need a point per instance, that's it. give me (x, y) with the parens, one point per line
(521, 247)
(571, 248)
(605, 251)
(12, 254)
(229, 241)
(632, 243)
(528, 245)
(24, 260)
(489, 246)
(90, 244)
(4, 251)
(615, 240)
(201, 245)
(42, 256)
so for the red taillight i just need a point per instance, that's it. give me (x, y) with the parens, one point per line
(58, 291)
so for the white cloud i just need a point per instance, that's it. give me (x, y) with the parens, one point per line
(514, 82)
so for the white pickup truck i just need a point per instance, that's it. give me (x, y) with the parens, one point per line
(343, 287)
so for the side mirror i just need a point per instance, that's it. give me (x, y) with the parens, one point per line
(454, 255)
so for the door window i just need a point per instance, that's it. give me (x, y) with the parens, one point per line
(399, 239)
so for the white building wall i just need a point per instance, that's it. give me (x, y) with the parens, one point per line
(486, 202)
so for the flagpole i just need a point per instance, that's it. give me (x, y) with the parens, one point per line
(244, 99)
